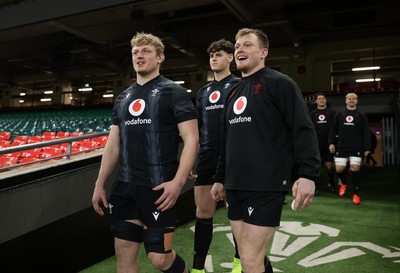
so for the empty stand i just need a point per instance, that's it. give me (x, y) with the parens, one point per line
(38, 126)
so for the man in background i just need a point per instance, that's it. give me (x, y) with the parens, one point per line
(322, 118)
(210, 104)
(350, 140)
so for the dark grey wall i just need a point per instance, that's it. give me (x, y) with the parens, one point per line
(24, 209)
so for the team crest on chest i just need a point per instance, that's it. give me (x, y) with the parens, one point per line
(154, 92)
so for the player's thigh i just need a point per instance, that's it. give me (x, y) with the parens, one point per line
(126, 252)
(254, 240)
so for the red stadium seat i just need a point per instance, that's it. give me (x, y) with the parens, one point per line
(14, 154)
(52, 152)
(88, 145)
(48, 137)
(101, 140)
(34, 139)
(6, 161)
(33, 153)
(5, 135)
(20, 139)
(49, 134)
(5, 143)
(27, 160)
(63, 134)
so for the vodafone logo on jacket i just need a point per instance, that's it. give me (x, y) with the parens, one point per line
(238, 107)
(349, 120)
(321, 119)
(214, 96)
(136, 108)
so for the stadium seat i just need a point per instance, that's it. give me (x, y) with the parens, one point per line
(34, 139)
(32, 153)
(27, 160)
(63, 134)
(8, 161)
(5, 143)
(21, 140)
(5, 135)
(47, 133)
(101, 141)
(48, 137)
(88, 145)
(52, 152)
(14, 154)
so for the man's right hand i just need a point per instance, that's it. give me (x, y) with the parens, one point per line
(332, 148)
(218, 191)
(99, 198)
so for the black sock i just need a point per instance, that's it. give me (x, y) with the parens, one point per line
(342, 177)
(202, 239)
(267, 265)
(356, 181)
(331, 176)
(236, 248)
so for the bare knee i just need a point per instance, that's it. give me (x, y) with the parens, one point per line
(160, 261)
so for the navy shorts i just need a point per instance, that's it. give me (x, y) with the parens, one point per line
(255, 207)
(129, 201)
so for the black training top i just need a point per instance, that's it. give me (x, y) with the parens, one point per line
(210, 103)
(147, 117)
(322, 120)
(267, 125)
(350, 131)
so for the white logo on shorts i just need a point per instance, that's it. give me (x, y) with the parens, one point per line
(250, 209)
(155, 215)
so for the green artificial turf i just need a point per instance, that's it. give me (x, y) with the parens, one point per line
(330, 236)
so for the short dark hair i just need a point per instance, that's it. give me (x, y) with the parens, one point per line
(223, 45)
(320, 94)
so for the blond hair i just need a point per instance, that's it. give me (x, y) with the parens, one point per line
(141, 39)
(351, 95)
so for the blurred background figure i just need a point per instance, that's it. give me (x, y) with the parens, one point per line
(369, 158)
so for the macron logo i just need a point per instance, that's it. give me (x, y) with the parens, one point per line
(155, 215)
(250, 210)
(110, 207)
